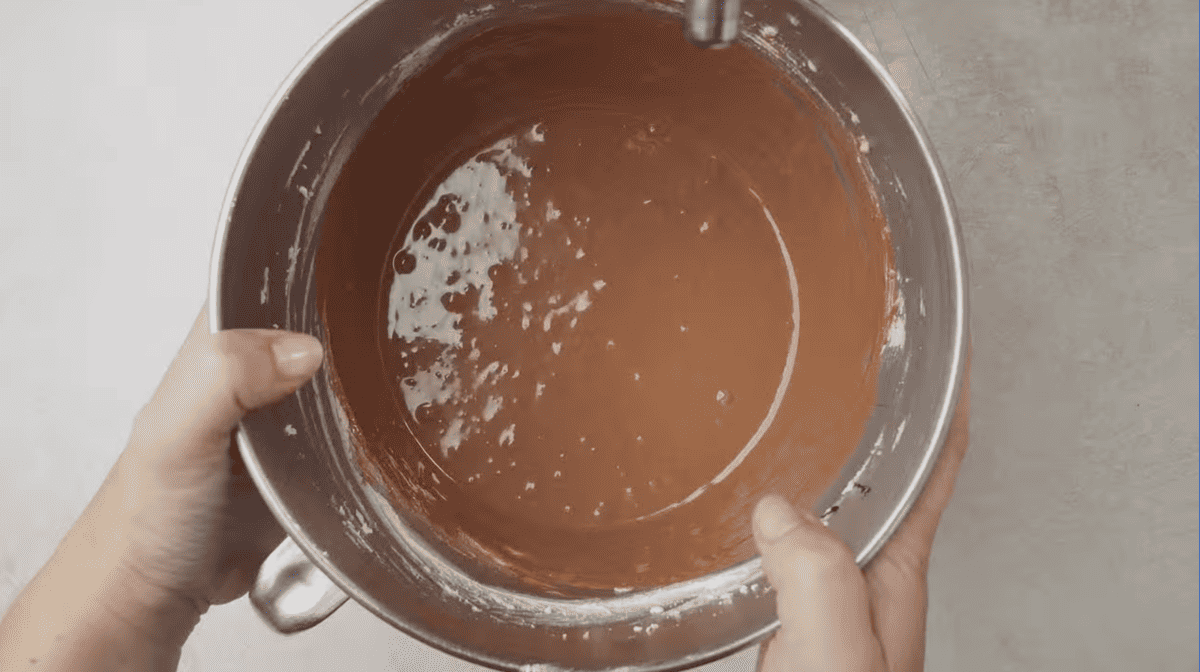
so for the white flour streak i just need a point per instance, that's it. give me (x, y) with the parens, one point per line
(896, 330)
(441, 274)
(265, 294)
(448, 263)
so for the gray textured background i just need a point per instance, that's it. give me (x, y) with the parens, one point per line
(1069, 133)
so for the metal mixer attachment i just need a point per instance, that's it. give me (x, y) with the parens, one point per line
(712, 24)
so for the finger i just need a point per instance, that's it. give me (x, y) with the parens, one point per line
(821, 596)
(897, 576)
(916, 533)
(216, 379)
(251, 533)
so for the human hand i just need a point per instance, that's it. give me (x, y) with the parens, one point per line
(177, 525)
(835, 617)
(196, 526)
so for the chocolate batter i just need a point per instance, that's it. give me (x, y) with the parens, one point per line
(590, 292)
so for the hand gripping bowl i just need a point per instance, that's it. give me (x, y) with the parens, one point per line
(342, 544)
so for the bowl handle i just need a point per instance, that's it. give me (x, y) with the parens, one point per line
(290, 593)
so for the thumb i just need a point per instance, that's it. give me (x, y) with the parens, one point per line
(216, 379)
(821, 595)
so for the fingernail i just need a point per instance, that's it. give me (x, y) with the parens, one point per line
(774, 518)
(296, 354)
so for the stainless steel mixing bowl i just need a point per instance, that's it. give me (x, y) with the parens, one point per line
(345, 542)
